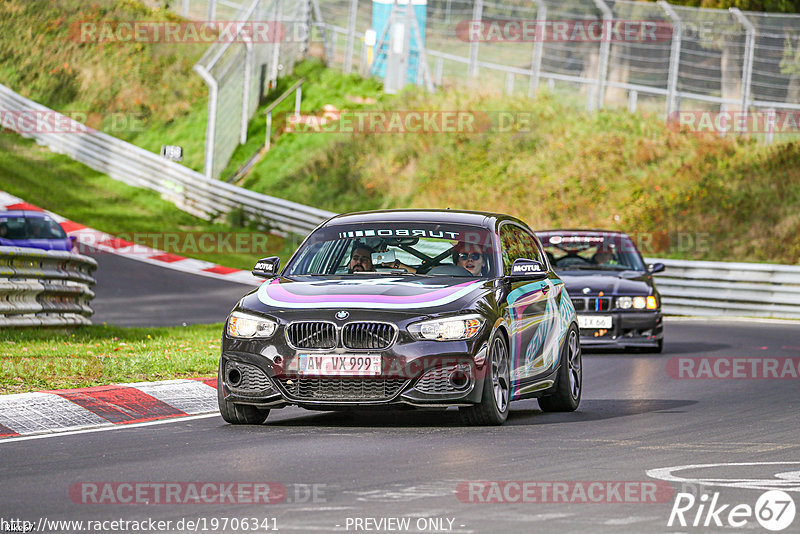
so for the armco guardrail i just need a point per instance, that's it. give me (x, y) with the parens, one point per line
(188, 189)
(729, 289)
(44, 287)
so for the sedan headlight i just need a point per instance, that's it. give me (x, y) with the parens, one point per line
(624, 303)
(637, 303)
(447, 329)
(244, 325)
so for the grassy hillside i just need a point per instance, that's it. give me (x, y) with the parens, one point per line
(142, 92)
(683, 194)
(64, 186)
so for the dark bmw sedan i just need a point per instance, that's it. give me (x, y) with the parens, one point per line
(613, 291)
(404, 309)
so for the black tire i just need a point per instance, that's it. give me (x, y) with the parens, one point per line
(237, 414)
(493, 409)
(569, 384)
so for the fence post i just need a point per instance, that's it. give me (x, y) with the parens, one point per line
(211, 123)
(538, 47)
(248, 74)
(212, 9)
(770, 126)
(351, 36)
(605, 49)
(749, 50)
(477, 18)
(674, 56)
(186, 9)
(633, 97)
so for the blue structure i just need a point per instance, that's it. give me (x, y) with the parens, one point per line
(381, 12)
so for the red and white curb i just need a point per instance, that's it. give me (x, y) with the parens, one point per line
(42, 412)
(103, 242)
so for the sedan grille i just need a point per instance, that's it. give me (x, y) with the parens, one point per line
(342, 389)
(591, 303)
(312, 335)
(372, 336)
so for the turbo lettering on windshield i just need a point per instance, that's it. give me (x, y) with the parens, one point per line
(399, 232)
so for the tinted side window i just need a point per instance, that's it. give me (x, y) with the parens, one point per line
(517, 243)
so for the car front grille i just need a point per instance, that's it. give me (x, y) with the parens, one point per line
(368, 335)
(312, 335)
(342, 389)
(591, 303)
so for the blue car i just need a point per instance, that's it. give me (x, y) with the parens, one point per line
(32, 229)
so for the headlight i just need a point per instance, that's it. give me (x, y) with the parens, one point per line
(639, 303)
(447, 329)
(250, 326)
(624, 302)
(652, 304)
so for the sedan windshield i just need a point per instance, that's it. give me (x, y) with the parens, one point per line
(610, 252)
(396, 248)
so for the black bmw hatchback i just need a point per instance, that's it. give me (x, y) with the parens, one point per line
(404, 309)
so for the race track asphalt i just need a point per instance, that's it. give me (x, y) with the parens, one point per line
(634, 417)
(134, 293)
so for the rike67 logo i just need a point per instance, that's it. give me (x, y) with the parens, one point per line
(774, 510)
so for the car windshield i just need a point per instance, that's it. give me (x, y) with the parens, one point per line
(611, 252)
(30, 228)
(430, 249)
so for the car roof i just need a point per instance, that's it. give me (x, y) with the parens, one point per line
(474, 218)
(582, 231)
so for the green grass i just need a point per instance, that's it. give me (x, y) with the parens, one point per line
(64, 186)
(33, 360)
(145, 93)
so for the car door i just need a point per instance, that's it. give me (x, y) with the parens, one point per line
(532, 312)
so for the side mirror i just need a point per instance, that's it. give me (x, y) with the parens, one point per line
(267, 267)
(525, 269)
(656, 267)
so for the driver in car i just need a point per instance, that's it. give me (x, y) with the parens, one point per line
(360, 259)
(471, 257)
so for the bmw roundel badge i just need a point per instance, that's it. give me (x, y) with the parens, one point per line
(342, 315)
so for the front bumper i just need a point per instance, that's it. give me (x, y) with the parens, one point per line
(629, 329)
(414, 374)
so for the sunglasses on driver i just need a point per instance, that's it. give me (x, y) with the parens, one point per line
(475, 256)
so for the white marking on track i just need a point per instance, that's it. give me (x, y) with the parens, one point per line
(786, 481)
(107, 428)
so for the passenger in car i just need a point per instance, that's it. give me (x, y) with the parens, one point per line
(471, 257)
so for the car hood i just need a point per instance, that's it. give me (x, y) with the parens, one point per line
(609, 284)
(400, 293)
